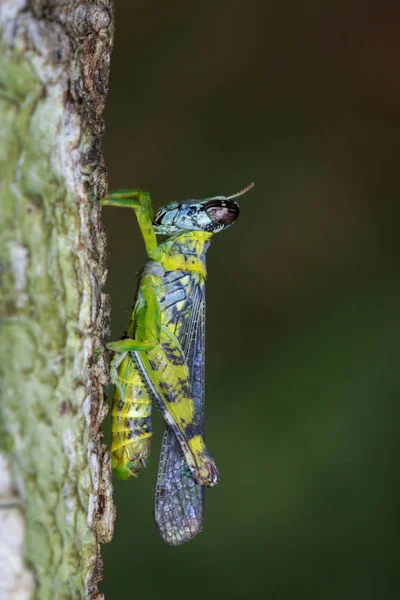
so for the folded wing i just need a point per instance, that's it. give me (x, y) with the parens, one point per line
(178, 499)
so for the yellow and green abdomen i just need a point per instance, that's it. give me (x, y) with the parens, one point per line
(131, 431)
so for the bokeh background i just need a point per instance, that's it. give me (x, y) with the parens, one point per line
(303, 293)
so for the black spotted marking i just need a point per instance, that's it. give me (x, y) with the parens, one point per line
(139, 430)
(157, 363)
(174, 356)
(137, 423)
(173, 396)
(185, 387)
(192, 430)
(174, 311)
(165, 386)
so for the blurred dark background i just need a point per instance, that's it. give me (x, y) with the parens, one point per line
(303, 292)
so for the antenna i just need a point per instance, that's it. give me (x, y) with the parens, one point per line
(243, 191)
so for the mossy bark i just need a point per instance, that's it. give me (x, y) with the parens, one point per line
(54, 58)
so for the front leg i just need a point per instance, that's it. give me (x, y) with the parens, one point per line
(140, 202)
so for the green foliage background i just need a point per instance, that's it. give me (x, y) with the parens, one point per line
(303, 292)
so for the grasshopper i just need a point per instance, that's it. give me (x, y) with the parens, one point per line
(161, 359)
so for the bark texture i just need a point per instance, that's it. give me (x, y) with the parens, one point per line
(55, 471)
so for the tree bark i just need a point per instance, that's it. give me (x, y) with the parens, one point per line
(55, 476)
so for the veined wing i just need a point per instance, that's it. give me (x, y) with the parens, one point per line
(178, 499)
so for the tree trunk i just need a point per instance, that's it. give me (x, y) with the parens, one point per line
(55, 477)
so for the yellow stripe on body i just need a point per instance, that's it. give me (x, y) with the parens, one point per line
(127, 450)
(132, 410)
(117, 443)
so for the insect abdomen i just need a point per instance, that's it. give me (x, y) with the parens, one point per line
(131, 430)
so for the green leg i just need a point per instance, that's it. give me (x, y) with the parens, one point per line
(115, 363)
(140, 202)
(147, 321)
(147, 326)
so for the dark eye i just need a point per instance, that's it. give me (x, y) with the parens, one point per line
(222, 212)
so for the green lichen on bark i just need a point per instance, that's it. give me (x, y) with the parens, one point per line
(54, 315)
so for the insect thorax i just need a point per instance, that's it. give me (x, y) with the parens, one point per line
(186, 252)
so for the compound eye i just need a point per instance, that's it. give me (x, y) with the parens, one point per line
(222, 212)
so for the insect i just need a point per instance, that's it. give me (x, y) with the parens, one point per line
(161, 359)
